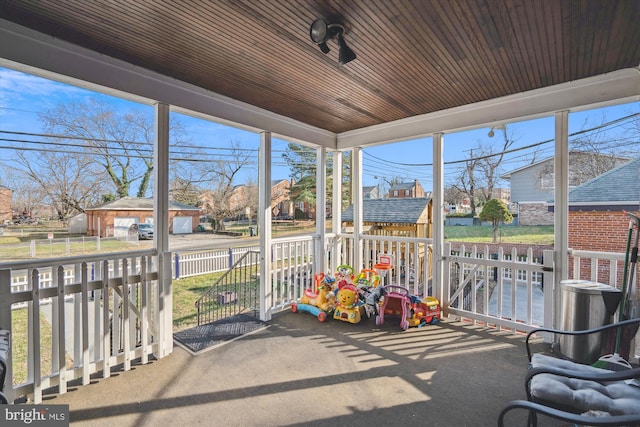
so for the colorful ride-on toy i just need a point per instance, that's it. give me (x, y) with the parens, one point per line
(424, 312)
(348, 307)
(396, 303)
(320, 301)
(320, 314)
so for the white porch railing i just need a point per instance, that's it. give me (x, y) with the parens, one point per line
(503, 290)
(292, 263)
(79, 316)
(478, 285)
(104, 310)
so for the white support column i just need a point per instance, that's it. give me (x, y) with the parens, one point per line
(336, 210)
(319, 260)
(561, 208)
(264, 221)
(438, 220)
(356, 192)
(161, 224)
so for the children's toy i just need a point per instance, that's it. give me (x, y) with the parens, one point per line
(372, 298)
(397, 303)
(383, 267)
(369, 278)
(348, 305)
(322, 297)
(320, 315)
(318, 302)
(424, 312)
(344, 275)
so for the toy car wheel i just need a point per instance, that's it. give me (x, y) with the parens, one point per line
(322, 316)
(294, 308)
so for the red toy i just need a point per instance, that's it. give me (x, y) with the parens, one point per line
(424, 312)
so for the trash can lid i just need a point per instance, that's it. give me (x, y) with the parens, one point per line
(587, 286)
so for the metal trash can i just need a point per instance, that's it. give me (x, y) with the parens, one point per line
(585, 305)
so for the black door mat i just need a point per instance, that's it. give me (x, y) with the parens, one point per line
(211, 335)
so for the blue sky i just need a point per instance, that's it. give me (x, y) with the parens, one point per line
(23, 97)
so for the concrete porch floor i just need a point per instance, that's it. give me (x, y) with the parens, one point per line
(298, 371)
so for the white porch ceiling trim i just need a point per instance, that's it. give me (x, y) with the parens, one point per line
(617, 87)
(23, 49)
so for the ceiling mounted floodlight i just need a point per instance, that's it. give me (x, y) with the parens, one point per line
(321, 32)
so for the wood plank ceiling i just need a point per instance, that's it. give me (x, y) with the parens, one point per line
(413, 56)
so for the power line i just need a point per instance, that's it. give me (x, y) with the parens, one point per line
(621, 119)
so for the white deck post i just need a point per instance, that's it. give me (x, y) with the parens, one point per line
(264, 218)
(561, 209)
(356, 192)
(161, 222)
(336, 210)
(319, 260)
(438, 220)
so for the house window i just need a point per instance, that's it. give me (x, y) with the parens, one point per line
(547, 181)
(395, 193)
(406, 192)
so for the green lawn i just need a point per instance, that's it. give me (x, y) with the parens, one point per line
(185, 293)
(535, 235)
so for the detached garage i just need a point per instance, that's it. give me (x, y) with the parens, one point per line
(115, 218)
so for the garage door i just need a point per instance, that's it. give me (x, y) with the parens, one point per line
(182, 225)
(121, 225)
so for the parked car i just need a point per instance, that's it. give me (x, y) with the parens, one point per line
(145, 231)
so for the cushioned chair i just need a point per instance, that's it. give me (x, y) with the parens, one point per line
(4, 356)
(579, 393)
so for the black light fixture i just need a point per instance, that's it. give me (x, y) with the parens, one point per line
(321, 32)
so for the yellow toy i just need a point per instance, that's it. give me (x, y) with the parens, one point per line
(322, 298)
(348, 307)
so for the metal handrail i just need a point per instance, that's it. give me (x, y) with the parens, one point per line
(209, 292)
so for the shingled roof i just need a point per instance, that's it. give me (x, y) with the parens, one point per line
(139, 203)
(620, 185)
(398, 211)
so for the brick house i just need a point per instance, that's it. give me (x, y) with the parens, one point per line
(115, 218)
(406, 189)
(281, 205)
(597, 220)
(6, 194)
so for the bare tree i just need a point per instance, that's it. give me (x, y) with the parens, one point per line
(121, 143)
(480, 174)
(27, 196)
(595, 150)
(221, 175)
(68, 181)
(466, 181)
(490, 162)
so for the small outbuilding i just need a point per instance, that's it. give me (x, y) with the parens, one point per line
(400, 217)
(405, 217)
(113, 219)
